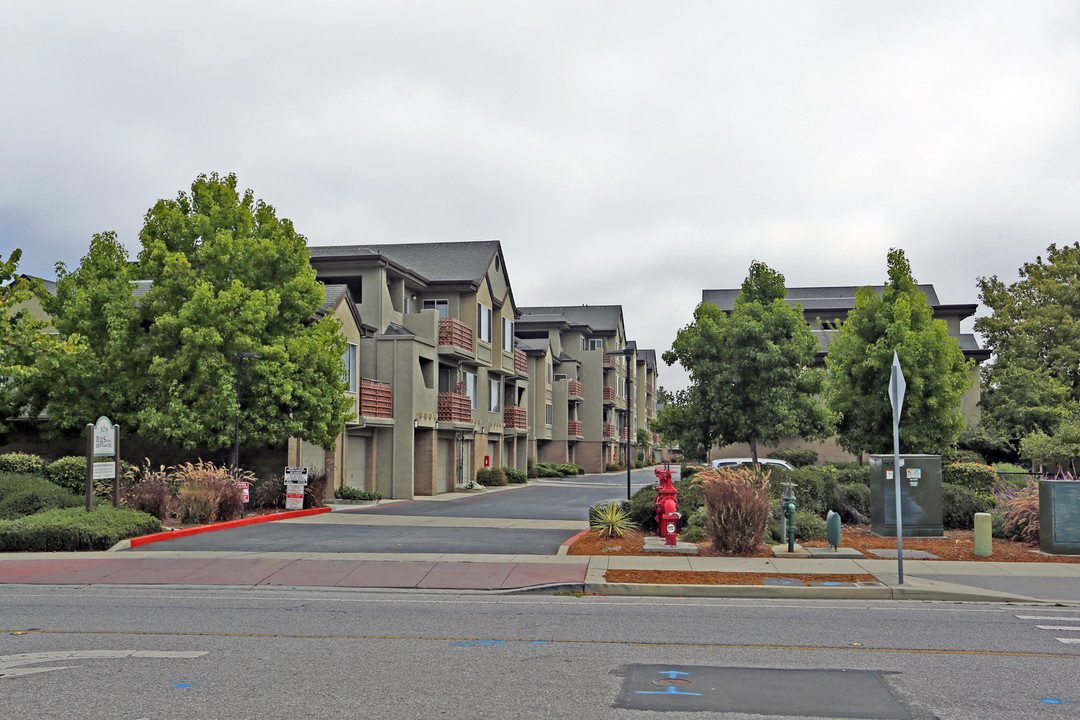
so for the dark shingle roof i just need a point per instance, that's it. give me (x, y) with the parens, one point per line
(601, 318)
(395, 329)
(839, 297)
(445, 262)
(332, 294)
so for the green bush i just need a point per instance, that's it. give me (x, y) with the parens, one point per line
(736, 515)
(687, 471)
(483, 477)
(610, 520)
(852, 503)
(208, 493)
(498, 477)
(69, 473)
(346, 492)
(547, 470)
(37, 495)
(973, 476)
(18, 462)
(1005, 470)
(693, 534)
(997, 523)
(809, 526)
(567, 469)
(799, 457)
(959, 505)
(515, 476)
(72, 529)
(951, 456)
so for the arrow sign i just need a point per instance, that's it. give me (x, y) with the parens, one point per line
(897, 386)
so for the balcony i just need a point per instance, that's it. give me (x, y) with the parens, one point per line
(609, 430)
(455, 408)
(609, 395)
(649, 413)
(521, 362)
(622, 434)
(455, 336)
(574, 429)
(515, 418)
(376, 399)
(575, 390)
(611, 361)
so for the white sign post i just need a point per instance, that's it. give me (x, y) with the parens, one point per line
(102, 457)
(897, 387)
(295, 481)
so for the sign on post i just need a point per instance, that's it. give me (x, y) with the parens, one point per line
(102, 457)
(296, 479)
(897, 388)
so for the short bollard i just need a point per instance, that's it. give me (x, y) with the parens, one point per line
(984, 543)
(789, 514)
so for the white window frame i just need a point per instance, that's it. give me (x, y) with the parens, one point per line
(508, 335)
(483, 322)
(350, 357)
(438, 305)
(596, 343)
(549, 413)
(470, 387)
(550, 373)
(494, 393)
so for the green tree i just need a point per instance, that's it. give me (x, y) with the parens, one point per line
(751, 373)
(1034, 332)
(23, 341)
(94, 304)
(219, 274)
(860, 360)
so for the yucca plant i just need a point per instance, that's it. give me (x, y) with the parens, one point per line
(611, 520)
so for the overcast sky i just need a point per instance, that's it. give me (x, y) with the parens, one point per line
(623, 152)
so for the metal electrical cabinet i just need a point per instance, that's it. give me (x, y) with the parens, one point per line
(920, 496)
(1059, 517)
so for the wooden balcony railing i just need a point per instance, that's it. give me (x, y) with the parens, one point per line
(648, 413)
(622, 434)
(609, 430)
(455, 408)
(376, 399)
(609, 394)
(575, 389)
(612, 360)
(515, 418)
(454, 333)
(574, 428)
(521, 362)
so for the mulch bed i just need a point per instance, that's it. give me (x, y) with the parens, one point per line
(679, 577)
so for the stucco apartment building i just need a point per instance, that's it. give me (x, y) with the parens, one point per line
(824, 308)
(447, 385)
(581, 353)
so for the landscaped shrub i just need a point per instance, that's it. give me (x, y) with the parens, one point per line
(614, 467)
(736, 511)
(498, 477)
(151, 495)
(1022, 515)
(18, 462)
(530, 469)
(268, 492)
(35, 495)
(799, 457)
(75, 529)
(808, 526)
(208, 493)
(351, 493)
(693, 534)
(952, 456)
(642, 506)
(959, 505)
(690, 470)
(610, 519)
(315, 490)
(69, 473)
(597, 506)
(483, 477)
(973, 476)
(567, 469)
(515, 476)
(853, 503)
(548, 470)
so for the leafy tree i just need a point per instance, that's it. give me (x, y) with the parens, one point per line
(1053, 452)
(222, 275)
(22, 340)
(752, 375)
(95, 304)
(860, 360)
(1034, 332)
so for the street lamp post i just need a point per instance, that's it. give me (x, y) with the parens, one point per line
(627, 353)
(240, 357)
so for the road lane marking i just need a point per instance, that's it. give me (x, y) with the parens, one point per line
(12, 665)
(1069, 641)
(629, 643)
(1047, 617)
(1059, 627)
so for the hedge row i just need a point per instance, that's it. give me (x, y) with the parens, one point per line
(73, 529)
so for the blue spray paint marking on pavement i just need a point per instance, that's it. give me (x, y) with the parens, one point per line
(670, 689)
(540, 642)
(480, 642)
(1051, 701)
(184, 685)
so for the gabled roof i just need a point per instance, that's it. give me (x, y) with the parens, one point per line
(466, 262)
(49, 285)
(600, 318)
(335, 295)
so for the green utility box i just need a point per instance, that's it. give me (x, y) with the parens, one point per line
(920, 496)
(1059, 517)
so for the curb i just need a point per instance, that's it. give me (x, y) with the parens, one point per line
(173, 534)
(564, 549)
(883, 592)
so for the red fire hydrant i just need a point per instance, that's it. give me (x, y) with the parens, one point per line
(667, 515)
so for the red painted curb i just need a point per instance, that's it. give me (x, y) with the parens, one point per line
(173, 534)
(572, 540)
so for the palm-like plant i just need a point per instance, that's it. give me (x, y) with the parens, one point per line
(611, 521)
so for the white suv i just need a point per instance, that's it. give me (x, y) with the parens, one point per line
(729, 462)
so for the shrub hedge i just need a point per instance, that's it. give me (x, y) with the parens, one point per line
(18, 462)
(75, 529)
(515, 476)
(36, 495)
(799, 457)
(959, 505)
(973, 476)
(351, 493)
(70, 473)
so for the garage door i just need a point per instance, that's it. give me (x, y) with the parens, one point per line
(444, 480)
(355, 461)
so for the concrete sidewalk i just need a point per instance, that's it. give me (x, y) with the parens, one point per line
(923, 580)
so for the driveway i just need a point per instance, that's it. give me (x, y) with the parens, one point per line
(531, 520)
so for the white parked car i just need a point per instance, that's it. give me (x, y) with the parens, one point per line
(730, 462)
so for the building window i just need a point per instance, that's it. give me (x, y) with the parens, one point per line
(547, 414)
(494, 386)
(550, 374)
(596, 343)
(483, 322)
(442, 306)
(508, 335)
(349, 358)
(407, 305)
(470, 387)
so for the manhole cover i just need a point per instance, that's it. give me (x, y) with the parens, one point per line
(673, 682)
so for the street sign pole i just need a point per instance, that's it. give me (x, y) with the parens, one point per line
(897, 387)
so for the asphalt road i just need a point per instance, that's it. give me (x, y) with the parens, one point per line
(164, 653)
(556, 500)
